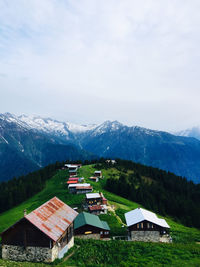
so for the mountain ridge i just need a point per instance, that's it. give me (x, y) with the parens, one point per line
(110, 139)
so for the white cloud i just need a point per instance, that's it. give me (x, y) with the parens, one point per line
(63, 57)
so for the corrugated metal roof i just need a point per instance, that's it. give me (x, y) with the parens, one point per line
(74, 179)
(52, 218)
(83, 187)
(93, 195)
(74, 185)
(139, 215)
(72, 182)
(97, 172)
(96, 207)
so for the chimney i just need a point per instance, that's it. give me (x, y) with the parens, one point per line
(25, 212)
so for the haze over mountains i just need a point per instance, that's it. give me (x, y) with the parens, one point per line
(28, 143)
(191, 132)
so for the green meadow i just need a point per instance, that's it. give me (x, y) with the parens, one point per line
(184, 251)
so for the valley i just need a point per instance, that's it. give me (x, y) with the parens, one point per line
(35, 142)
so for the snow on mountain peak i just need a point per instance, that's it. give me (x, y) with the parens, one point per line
(50, 125)
(75, 128)
(107, 126)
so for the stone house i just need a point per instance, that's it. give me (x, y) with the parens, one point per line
(87, 226)
(42, 235)
(144, 225)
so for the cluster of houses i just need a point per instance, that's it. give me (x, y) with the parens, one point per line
(75, 184)
(48, 232)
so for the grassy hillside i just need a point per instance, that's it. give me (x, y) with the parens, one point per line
(184, 251)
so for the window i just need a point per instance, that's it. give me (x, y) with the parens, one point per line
(101, 233)
(140, 225)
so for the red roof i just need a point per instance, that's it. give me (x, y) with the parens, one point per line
(73, 179)
(95, 207)
(83, 187)
(52, 218)
(72, 182)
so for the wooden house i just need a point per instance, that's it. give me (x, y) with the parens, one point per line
(94, 179)
(98, 174)
(90, 226)
(95, 199)
(144, 225)
(98, 209)
(41, 236)
(72, 166)
(80, 188)
(73, 172)
(83, 189)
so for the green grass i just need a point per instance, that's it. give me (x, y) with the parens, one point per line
(183, 252)
(56, 186)
(122, 253)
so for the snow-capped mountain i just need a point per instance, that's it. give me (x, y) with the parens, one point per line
(49, 125)
(25, 147)
(37, 141)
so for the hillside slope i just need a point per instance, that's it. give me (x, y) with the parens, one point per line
(177, 154)
(184, 250)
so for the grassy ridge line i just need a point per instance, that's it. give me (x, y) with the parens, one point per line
(180, 233)
(92, 253)
(56, 186)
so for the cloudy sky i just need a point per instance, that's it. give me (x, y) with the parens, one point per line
(136, 61)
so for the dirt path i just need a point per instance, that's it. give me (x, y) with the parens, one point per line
(111, 208)
(71, 254)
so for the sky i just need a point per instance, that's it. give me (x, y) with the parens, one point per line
(87, 61)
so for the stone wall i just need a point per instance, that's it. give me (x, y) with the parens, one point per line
(149, 236)
(90, 236)
(35, 254)
(18, 253)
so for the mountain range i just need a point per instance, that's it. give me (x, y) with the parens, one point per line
(30, 142)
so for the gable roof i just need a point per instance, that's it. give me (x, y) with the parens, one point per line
(52, 218)
(90, 219)
(93, 195)
(139, 215)
(75, 185)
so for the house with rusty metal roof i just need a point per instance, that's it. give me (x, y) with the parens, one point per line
(42, 235)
